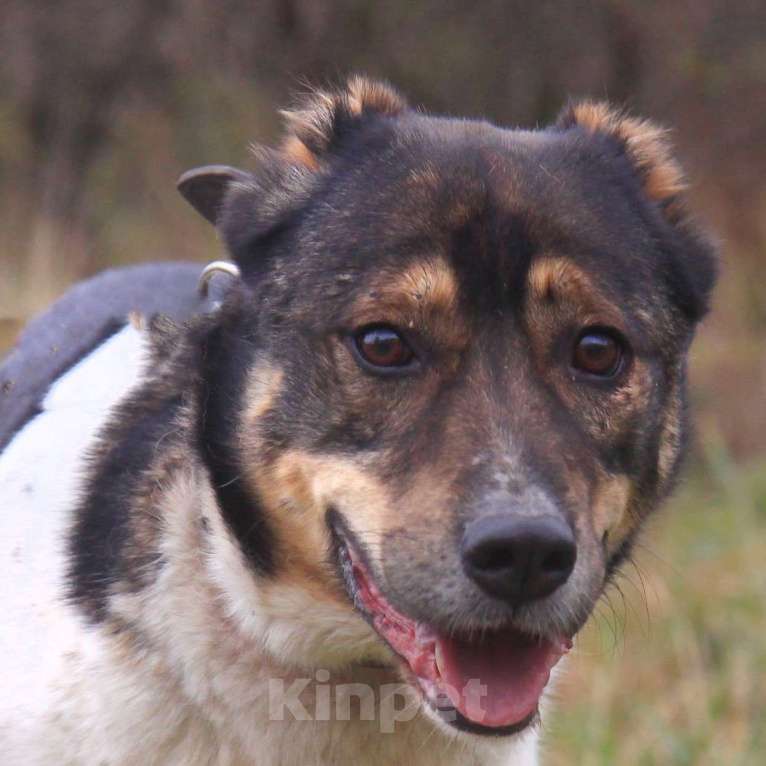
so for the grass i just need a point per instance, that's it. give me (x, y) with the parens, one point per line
(672, 669)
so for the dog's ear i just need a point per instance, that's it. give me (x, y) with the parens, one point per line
(321, 119)
(645, 144)
(649, 153)
(205, 188)
(251, 212)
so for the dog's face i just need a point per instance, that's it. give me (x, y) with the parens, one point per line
(452, 384)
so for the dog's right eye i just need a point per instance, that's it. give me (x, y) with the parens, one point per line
(598, 353)
(383, 347)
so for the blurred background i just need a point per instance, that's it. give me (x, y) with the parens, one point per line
(103, 105)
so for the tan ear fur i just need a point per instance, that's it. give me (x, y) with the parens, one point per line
(646, 145)
(312, 125)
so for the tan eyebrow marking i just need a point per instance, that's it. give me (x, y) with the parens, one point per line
(557, 283)
(425, 294)
(554, 278)
(430, 281)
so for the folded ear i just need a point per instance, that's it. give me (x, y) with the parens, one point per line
(249, 208)
(313, 128)
(205, 188)
(649, 152)
(645, 144)
(322, 117)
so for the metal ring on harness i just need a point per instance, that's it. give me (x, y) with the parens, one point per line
(225, 267)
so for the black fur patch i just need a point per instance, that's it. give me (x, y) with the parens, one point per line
(227, 357)
(101, 548)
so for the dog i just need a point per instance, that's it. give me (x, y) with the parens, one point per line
(359, 511)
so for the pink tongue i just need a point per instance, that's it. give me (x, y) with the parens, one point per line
(494, 682)
(497, 682)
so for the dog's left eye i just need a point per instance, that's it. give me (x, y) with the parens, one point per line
(598, 353)
(384, 347)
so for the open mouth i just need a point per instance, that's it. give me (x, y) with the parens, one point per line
(490, 683)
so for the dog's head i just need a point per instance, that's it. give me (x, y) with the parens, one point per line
(452, 382)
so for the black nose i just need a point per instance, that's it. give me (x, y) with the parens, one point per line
(517, 558)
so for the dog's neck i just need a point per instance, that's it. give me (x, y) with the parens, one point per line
(206, 621)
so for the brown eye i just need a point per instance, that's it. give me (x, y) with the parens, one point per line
(383, 347)
(597, 353)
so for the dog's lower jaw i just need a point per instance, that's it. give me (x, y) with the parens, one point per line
(185, 678)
